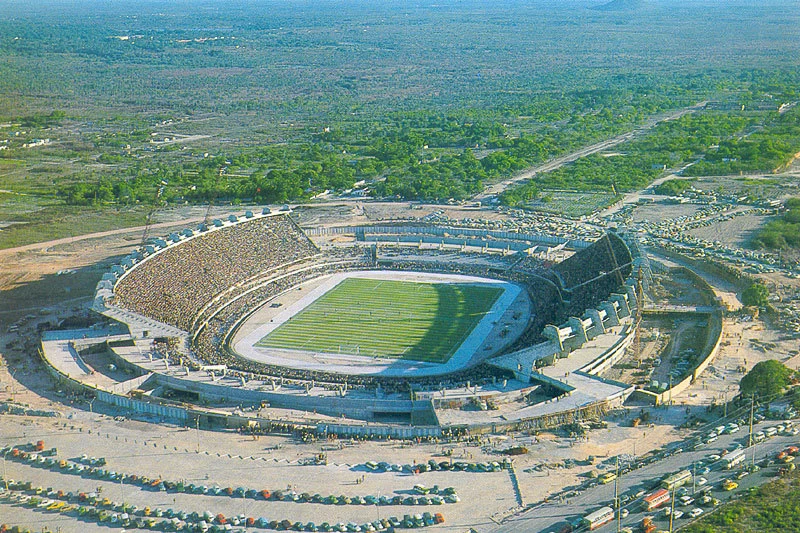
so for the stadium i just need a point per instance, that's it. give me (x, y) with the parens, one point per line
(399, 329)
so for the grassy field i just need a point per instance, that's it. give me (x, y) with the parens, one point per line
(380, 318)
(59, 221)
(772, 508)
(572, 204)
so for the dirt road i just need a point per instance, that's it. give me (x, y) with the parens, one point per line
(98, 235)
(553, 164)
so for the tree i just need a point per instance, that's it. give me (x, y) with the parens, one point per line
(767, 378)
(756, 295)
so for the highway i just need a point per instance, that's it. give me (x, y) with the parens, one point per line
(551, 516)
(553, 164)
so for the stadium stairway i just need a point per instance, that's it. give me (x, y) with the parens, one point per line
(512, 474)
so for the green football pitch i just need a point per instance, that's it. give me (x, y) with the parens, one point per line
(384, 318)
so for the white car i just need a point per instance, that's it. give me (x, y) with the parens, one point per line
(624, 513)
(701, 481)
(696, 512)
(687, 501)
(677, 514)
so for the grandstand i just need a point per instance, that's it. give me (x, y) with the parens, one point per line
(207, 284)
(173, 284)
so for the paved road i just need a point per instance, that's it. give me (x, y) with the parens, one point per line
(553, 164)
(550, 516)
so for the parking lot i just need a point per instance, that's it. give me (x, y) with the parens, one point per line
(570, 507)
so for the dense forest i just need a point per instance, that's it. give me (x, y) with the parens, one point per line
(783, 232)
(713, 142)
(151, 104)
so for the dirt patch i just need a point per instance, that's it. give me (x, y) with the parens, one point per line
(663, 210)
(737, 232)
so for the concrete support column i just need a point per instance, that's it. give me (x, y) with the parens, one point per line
(631, 294)
(597, 322)
(611, 313)
(578, 329)
(622, 305)
(551, 333)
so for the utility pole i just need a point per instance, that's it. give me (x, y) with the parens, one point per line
(637, 337)
(670, 389)
(752, 444)
(616, 498)
(197, 427)
(752, 408)
(244, 511)
(672, 510)
(5, 477)
(725, 405)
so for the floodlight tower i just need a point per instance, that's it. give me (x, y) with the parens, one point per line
(155, 207)
(637, 339)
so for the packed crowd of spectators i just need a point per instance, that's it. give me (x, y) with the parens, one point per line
(548, 307)
(209, 345)
(592, 274)
(249, 264)
(605, 255)
(174, 285)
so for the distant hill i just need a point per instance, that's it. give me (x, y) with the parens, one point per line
(620, 5)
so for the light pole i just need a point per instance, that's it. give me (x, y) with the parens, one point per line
(616, 498)
(672, 509)
(752, 407)
(725, 405)
(244, 510)
(670, 399)
(11, 372)
(197, 428)
(5, 477)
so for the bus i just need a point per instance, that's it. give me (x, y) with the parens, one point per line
(604, 515)
(655, 499)
(733, 459)
(677, 480)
